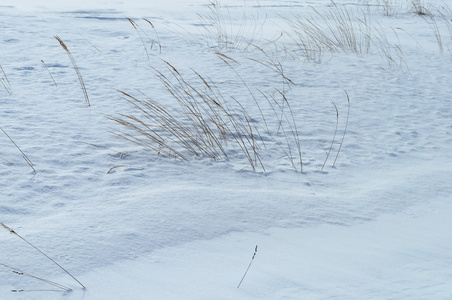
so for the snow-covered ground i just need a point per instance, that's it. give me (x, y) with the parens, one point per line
(129, 223)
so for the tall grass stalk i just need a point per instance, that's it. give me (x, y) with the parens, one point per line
(8, 90)
(49, 72)
(345, 129)
(22, 273)
(34, 247)
(249, 266)
(333, 141)
(25, 157)
(5, 82)
(76, 68)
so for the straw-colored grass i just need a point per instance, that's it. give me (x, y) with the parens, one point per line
(208, 123)
(18, 272)
(342, 29)
(5, 82)
(219, 30)
(25, 157)
(76, 68)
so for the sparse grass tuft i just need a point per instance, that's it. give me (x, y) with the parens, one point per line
(207, 123)
(419, 8)
(219, 29)
(153, 42)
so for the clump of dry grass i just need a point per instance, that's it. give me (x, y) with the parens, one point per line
(419, 7)
(207, 123)
(340, 29)
(76, 68)
(219, 29)
(202, 127)
(333, 30)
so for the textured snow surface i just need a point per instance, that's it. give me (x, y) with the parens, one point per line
(130, 224)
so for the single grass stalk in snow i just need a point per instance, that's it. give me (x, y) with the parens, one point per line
(21, 273)
(19, 236)
(8, 90)
(90, 43)
(335, 133)
(74, 64)
(334, 136)
(6, 77)
(25, 157)
(49, 72)
(252, 259)
(345, 129)
(5, 82)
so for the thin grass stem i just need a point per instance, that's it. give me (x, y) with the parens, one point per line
(33, 246)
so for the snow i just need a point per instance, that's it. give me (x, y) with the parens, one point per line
(132, 224)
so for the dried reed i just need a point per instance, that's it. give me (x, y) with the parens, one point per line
(156, 34)
(49, 72)
(76, 68)
(25, 157)
(5, 82)
(219, 30)
(333, 141)
(252, 259)
(19, 272)
(33, 246)
(135, 25)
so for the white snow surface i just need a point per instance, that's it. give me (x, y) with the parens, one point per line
(376, 225)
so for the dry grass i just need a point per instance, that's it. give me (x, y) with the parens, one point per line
(5, 82)
(333, 30)
(51, 76)
(25, 157)
(76, 68)
(45, 255)
(153, 43)
(333, 141)
(207, 123)
(219, 29)
(341, 29)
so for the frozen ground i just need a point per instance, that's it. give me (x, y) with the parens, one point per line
(374, 226)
